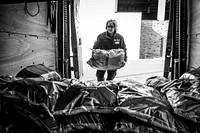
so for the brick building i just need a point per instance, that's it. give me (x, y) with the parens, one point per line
(153, 39)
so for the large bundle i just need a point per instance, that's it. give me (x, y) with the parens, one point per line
(84, 108)
(192, 75)
(107, 59)
(77, 106)
(71, 105)
(157, 82)
(146, 110)
(39, 70)
(20, 115)
(38, 90)
(184, 97)
(5, 80)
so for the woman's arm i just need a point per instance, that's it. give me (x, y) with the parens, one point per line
(97, 43)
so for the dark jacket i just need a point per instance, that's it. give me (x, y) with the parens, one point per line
(107, 43)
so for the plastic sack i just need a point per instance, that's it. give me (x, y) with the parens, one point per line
(39, 70)
(127, 125)
(86, 122)
(191, 76)
(6, 80)
(147, 105)
(79, 98)
(87, 107)
(184, 97)
(107, 59)
(38, 90)
(20, 115)
(157, 82)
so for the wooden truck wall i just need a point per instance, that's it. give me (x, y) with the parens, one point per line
(25, 37)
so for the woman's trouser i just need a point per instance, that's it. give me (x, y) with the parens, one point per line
(110, 74)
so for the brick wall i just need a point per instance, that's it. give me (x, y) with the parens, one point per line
(153, 39)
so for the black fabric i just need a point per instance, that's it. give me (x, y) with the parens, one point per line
(127, 125)
(38, 90)
(19, 115)
(87, 107)
(147, 105)
(184, 98)
(87, 122)
(157, 82)
(82, 98)
(72, 105)
(39, 70)
(192, 75)
(5, 80)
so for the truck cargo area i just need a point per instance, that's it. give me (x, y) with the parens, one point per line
(46, 85)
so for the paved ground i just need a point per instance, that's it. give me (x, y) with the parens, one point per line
(138, 70)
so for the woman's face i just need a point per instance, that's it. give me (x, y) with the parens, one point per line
(110, 28)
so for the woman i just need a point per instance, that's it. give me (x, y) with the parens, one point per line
(108, 40)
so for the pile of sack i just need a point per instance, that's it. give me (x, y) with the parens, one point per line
(73, 106)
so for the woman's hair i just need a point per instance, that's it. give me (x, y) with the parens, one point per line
(112, 21)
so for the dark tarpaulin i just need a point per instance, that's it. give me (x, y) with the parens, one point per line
(38, 90)
(184, 97)
(108, 106)
(39, 70)
(157, 82)
(82, 98)
(146, 104)
(20, 115)
(192, 75)
(87, 107)
(88, 122)
(5, 80)
(128, 125)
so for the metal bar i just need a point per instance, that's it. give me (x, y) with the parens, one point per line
(168, 66)
(60, 38)
(67, 34)
(182, 36)
(173, 39)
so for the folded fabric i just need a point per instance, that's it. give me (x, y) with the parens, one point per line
(107, 59)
